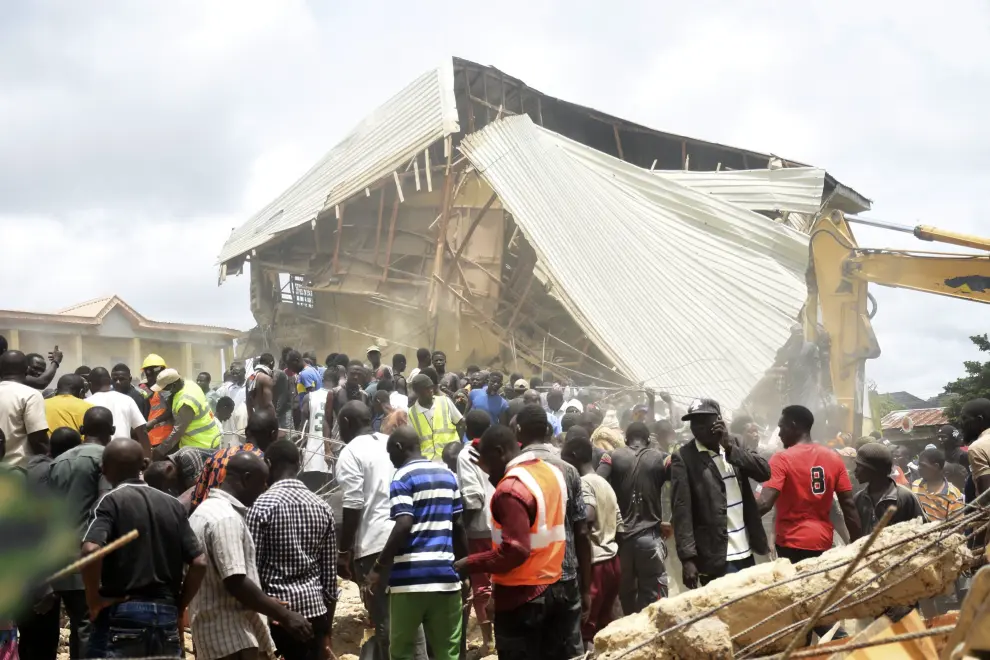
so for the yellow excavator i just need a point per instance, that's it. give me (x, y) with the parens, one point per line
(839, 307)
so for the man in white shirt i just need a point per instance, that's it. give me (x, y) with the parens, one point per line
(128, 421)
(233, 419)
(22, 412)
(230, 611)
(315, 471)
(364, 474)
(235, 388)
(476, 496)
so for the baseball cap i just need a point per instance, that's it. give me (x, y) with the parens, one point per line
(373, 349)
(165, 378)
(702, 407)
(521, 385)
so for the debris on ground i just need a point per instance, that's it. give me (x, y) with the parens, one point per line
(908, 565)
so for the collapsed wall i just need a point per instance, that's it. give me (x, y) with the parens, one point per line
(910, 566)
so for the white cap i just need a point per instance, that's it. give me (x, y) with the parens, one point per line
(165, 378)
(373, 349)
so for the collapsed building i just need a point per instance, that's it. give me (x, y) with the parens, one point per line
(475, 214)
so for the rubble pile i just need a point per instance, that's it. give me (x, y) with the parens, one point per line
(712, 637)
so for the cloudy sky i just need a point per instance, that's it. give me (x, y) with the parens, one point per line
(137, 135)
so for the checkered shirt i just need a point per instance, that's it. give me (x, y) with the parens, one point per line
(296, 540)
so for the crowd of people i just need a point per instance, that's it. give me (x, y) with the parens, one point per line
(546, 513)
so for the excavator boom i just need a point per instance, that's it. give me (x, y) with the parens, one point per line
(839, 273)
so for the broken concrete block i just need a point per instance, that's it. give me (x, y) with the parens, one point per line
(774, 599)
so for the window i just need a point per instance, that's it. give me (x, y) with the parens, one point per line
(296, 291)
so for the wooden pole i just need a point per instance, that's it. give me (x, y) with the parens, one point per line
(522, 301)
(441, 232)
(340, 230)
(93, 556)
(474, 225)
(378, 232)
(470, 108)
(391, 237)
(618, 141)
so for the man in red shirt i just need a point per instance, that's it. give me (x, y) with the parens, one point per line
(531, 613)
(807, 475)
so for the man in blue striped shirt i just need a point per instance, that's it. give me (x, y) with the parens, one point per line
(417, 561)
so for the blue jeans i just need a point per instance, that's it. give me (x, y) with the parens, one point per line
(136, 629)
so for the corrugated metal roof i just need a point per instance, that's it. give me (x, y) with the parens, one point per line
(918, 417)
(409, 122)
(682, 290)
(795, 189)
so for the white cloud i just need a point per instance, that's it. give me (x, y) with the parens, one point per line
(136, 136)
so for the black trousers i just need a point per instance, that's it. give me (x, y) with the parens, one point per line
(39, 633)
(292, 649)
(543, 628)
(794, 555)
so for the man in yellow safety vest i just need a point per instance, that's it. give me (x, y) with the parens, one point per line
(434, 417)
(194, 424)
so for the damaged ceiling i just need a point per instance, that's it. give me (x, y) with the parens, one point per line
(663, 250)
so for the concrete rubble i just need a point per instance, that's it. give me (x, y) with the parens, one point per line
(711, 637)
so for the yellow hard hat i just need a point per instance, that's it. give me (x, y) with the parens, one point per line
(153, 360)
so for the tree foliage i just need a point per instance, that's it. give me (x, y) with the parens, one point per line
(975, 384)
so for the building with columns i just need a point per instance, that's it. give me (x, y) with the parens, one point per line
(107, 331)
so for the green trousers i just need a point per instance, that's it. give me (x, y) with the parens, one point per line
(440, 614)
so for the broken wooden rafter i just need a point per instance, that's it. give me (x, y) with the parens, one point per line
(378, 231)
(441, 232)
(618, 141)
(474, 225)
(336, 245)
(522, 300)
(391, 238)
(429, 177)
(490, 106)
(470, 108)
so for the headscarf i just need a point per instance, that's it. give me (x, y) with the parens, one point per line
(574, 403)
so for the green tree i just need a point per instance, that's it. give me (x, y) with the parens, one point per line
(975, 384)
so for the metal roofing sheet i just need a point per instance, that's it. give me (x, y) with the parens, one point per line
(419, 115)
(682, 290)
(918, 417)
(796, 189)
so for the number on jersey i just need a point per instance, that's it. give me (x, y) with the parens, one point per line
(818, 485)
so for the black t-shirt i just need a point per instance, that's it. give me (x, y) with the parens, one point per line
(149, 567)
(142, 402)
(640, 499)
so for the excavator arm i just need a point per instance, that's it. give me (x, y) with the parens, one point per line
(839, 273)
